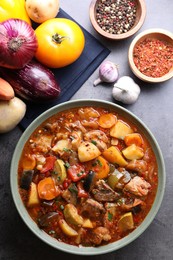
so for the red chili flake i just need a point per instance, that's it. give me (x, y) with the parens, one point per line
(153, 57)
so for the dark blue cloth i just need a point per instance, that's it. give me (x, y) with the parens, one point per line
(71, 77)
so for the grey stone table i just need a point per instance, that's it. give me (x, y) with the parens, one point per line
(154, 107)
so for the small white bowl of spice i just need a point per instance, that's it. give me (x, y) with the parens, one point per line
(151, 55)
(118, 19)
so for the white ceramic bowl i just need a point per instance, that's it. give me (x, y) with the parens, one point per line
(86, 250)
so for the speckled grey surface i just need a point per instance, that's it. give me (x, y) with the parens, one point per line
(154, 107)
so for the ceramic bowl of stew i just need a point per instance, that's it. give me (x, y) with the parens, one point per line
(118, 20)
(87, 177)
(150, 55)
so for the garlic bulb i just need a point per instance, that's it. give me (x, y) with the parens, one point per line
(126, 90)
(108, 72)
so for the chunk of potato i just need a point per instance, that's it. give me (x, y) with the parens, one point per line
(87, 151)
(113, 155)
(120, 130)
(126, 222)
(87, 223)
(133, 152)
(71, 215)
(67, 230)
(33, 198)
(61, 146)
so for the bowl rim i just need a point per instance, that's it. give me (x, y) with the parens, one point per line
(44, 236)
(117, 36)
(133, 67)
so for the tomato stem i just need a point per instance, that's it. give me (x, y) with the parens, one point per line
(58, 38)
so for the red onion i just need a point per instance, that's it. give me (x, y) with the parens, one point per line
(34, 82)
(18, 43)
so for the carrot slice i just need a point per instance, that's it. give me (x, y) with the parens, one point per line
(47, 189)
(101, 168)
(107, 120)
(133, 138)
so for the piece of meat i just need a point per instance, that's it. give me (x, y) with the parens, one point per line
(103, 192)
(77, 125)
(137, 166)
(88, 112)
(92, 209)
(69, 196)
(138, 186)
(100, 234)
(41, 143)
(129, 205)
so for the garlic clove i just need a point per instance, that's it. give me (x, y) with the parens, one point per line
(126, 90)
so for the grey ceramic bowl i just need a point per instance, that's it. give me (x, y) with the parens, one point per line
(86, 250)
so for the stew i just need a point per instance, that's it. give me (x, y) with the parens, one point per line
(87, 176)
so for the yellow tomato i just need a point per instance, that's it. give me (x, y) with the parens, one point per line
(60, 42)
(13, 9)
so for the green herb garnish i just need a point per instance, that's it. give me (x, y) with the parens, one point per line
(66, 149)
(67, 165)
(110, 216)
(94, 142)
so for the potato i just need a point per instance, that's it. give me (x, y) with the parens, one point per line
(120, 130)
(11, 113)
(33, 198)
(40, 11)
(133, 152)
(61, 146)
(87, 223)
(113, 155)
(87, 151)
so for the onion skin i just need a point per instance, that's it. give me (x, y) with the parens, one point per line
(34, 82)
(18, 43)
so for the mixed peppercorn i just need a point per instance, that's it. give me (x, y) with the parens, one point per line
(115, 16)
(153, 57)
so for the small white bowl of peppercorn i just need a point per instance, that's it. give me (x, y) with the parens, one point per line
(118, 19)
(151, 55)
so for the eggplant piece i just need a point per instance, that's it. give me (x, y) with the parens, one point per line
(102, 192)
(45, 220)
(34, 82)
(26, 179)
(89, 181)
